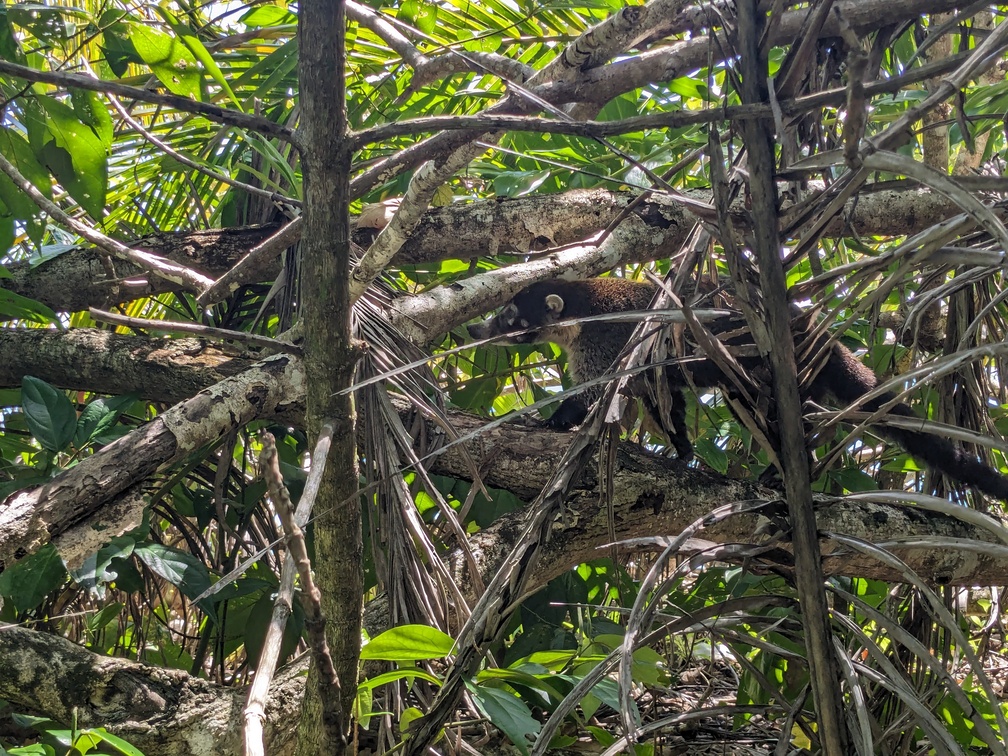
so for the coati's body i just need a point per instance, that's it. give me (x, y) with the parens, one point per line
(536, 315)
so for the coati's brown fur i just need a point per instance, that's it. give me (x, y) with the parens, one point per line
(536, 313)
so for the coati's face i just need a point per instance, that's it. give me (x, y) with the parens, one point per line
(529, 318)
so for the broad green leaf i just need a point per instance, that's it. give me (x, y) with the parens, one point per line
(179, 568)
(15, 307)
(507, 713)
(398, 674)
(16, 149)
(711, 454)
(103, 618)
(168, 58)
(27, 583)
(96, 570)
(101, 735)
(517, 183)
(258, 622)
(119, 50)
(409, 643)
(52, 23)
(10, 47)
(98, 417)
(91, 111)
(419, 14)
(268, 15)
(49, 414)
(75, 155)
(854, 480)
(363, 708)
(199, 52)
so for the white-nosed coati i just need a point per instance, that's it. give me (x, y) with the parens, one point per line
(539, 313)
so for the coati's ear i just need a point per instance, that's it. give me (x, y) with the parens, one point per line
(554, 304)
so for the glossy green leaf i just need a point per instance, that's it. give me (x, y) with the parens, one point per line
(170, 60)
(409, 643)
(101, 735)
(98, 417)
(199, 53)
(268, 15)
(508, 713)
(179, 568)
(15, 307)
(50, 415)
(419, 14)
(75, 154)
(27, 583)
(92, 112)
(18, 151)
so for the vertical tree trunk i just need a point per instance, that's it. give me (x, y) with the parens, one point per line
(810, 581)
(329, 355)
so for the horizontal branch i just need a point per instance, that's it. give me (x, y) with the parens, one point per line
(161, 711)
(652, 495)
(184, 104)
(70, 506)
(83, 278)
(665, 120)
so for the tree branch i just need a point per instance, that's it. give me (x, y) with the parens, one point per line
(520, 459)
(73, 499)
(184, 104)
(159, 710)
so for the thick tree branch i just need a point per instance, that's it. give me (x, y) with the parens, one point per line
(83, 278)
(161, 711)
(520, 459)
(31, 518)
(86, 277)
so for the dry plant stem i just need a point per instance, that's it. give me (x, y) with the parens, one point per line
(170, 271)
(213, 112)
(779, 346)
(255, 709)
(272, 247)
(311, 597)
(167, 326)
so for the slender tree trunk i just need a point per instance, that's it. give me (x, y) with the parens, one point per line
(329, 354)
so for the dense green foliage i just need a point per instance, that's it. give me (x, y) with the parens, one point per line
(133, 167)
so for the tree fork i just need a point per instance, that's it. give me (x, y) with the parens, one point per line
(330, 355)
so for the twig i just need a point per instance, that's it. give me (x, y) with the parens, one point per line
(177, 274)
(255, 709)
(213, 112)
(167, 326)
(311, 597)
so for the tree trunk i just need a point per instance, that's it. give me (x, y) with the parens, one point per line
(329, 355)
